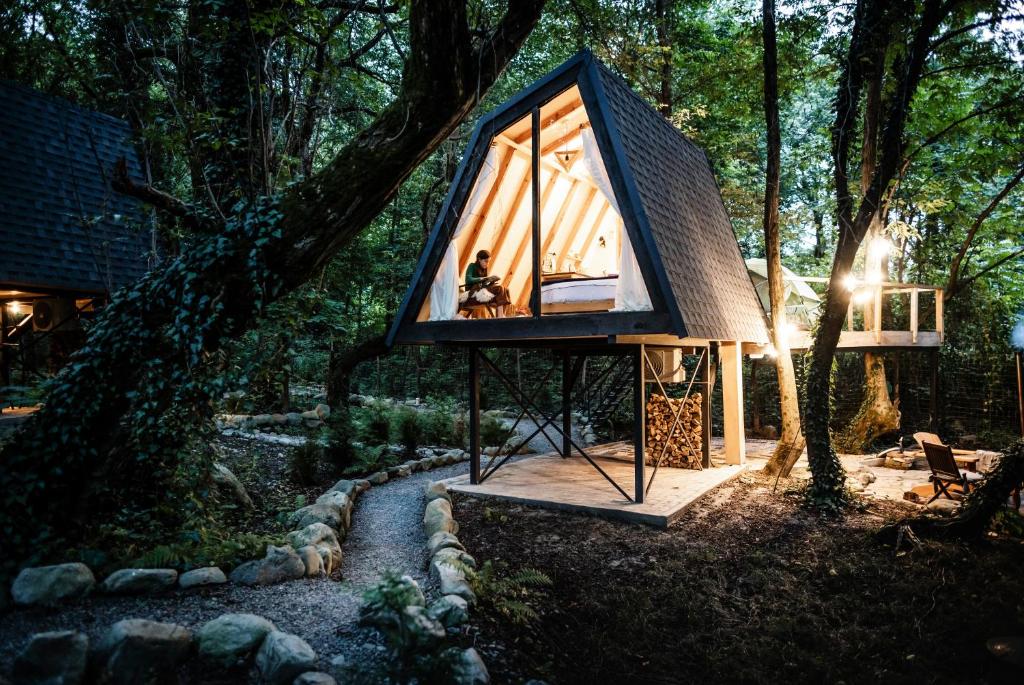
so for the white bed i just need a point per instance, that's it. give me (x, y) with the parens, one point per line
(578, 295)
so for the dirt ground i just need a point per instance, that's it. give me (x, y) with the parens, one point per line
(746, 587)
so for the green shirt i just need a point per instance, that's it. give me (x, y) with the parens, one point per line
(474, 274)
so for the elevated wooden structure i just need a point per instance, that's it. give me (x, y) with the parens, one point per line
(575, 164)
(858, 337)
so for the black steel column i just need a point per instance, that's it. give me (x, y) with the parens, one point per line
(474, 416)
(535, 201)
(705, 409)
(566, 404)
(639, 423)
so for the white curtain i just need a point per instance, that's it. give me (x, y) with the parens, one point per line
(444, 293)
(630, 290)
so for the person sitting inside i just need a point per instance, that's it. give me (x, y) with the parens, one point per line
(482, 289)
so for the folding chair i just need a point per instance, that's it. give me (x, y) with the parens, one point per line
(945, 472)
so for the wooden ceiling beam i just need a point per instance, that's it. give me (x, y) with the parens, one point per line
(520, 264)
(485, 208)
(562, 140)
(595, 228)
(556, 222)
(552, 118)
(577, 220)
(499, 243)
(524, 151)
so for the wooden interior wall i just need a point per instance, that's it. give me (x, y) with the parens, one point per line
(573, 210)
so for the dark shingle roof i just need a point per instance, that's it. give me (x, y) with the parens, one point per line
(62, 227)
(688, 221)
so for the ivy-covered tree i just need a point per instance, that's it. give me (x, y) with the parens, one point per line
(112, 434)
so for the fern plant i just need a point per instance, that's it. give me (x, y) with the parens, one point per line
(509, 595)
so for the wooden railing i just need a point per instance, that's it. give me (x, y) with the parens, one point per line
(880, 337)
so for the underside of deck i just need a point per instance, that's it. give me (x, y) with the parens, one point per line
(549, 481)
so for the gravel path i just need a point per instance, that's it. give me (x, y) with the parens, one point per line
(386, 533)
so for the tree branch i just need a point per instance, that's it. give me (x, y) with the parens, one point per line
(190, 215)
(953, 285)
(988, 269)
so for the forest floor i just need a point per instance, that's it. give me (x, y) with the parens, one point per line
(747, 586)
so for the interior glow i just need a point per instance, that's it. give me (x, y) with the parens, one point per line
(851, 282)
(15, 307)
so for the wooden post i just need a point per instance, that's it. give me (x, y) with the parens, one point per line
(878, 315)
(933, 399)
(849, 315)
(535, 201)
(639, 423)
(705, 409)
(913, 315)
(566, 404)
(474, 416)
(939, 324)
(732, 401)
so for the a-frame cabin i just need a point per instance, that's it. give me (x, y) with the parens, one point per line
(607, 229)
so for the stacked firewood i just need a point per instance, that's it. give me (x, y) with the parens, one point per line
(661, 415)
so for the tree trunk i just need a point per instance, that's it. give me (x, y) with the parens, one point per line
(877, 415)
(344, 362)
(790, 444)
(111, 439)
(661, 26)
(870, 26)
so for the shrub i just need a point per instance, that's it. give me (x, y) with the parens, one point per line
(224, 550)
(492, 432)
(436, 427)
(339, 452)
(408, 430)
(378, 424)
(367, 460)
(459, 430)
(304, 463)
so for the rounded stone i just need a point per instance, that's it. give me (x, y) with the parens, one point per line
(199, 577)
(51, 584)
(58, 657)
(284, 657)
(139, 581)
(227, 638)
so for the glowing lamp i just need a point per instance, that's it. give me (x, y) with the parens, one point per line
(15, 307)
(851, 282)
(878, 248)
(862, 296)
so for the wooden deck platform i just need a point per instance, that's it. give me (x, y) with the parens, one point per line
(548, 480)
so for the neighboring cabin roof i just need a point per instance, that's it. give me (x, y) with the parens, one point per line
(688, 221)
(62, 227)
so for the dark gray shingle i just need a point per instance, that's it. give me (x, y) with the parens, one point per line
(62, 227)
(688, 221)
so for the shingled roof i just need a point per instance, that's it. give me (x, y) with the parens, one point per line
(687, 219)
(671, 207)
(62, 227)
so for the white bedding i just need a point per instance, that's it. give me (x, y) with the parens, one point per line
(578, 295)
